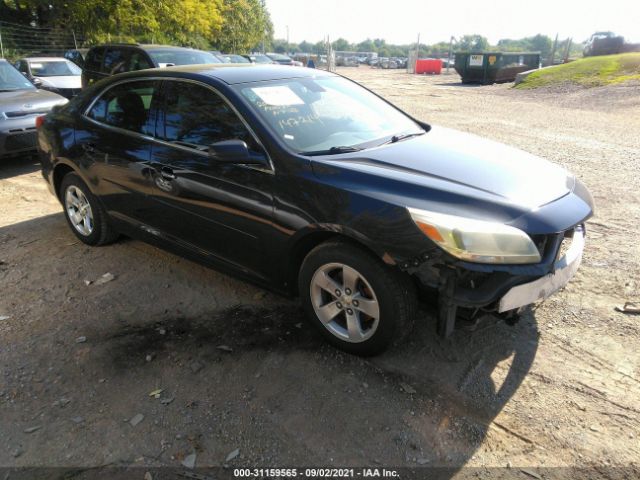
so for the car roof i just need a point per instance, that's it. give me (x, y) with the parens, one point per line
(235, 73)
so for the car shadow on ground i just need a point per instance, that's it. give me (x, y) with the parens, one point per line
(20, 165)
(427, 404)
(435, 399)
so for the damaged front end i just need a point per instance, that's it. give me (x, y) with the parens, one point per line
(468, 290)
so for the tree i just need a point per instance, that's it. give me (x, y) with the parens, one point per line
(366, 46)
(473, 42)
(246, 25)
(341, 45)
(306, 47)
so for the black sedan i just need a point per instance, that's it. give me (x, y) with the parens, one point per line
(309, 184)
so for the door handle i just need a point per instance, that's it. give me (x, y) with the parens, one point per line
(167, 173)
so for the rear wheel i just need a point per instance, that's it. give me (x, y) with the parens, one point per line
(358, 303)
(84, 214)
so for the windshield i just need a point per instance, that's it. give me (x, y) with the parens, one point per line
(11, 79)
(261, 59)
(326, 115)
(182, 57)
(56, 68)
(277, 56)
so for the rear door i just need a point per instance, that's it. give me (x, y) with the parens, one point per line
(115, 136)
(218, 209)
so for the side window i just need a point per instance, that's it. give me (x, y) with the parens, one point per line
(139, 61)
(116, 61)
(198, 117)
(127, 106)
(94, 59)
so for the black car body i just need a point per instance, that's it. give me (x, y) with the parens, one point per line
(105, 60)
(271, 213)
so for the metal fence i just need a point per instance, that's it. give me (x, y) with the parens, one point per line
(20, 40)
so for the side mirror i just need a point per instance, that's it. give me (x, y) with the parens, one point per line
(234, 151)
(36, 82)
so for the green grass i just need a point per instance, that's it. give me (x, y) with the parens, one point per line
(588, 72)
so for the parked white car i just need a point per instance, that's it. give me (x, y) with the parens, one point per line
(56, 74)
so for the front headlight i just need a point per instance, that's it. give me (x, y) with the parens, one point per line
(476, 240)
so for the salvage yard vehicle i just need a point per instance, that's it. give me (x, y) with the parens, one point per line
(20, 104)
(105, 60)
(307, 183)
(55, 74)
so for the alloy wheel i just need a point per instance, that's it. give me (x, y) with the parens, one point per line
(79, 210)
(345, 302)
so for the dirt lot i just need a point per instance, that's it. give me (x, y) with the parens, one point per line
(559, 389)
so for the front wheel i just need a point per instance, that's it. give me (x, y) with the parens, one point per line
(358, 303)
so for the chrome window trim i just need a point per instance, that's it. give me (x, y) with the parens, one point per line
(85, 114)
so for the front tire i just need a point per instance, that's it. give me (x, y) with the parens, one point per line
(358, 303)
(84, 213)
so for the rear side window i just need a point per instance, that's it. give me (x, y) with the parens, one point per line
(94, 59)
(116, 61)
(127, 106)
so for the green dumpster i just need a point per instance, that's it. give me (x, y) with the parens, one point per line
(492, 67)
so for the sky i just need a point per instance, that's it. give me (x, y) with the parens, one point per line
(400, 21)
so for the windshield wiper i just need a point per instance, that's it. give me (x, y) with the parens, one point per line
(402, 136)
(335, 150)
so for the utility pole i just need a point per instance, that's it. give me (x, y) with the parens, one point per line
(1, 46)
(553, 51)
(450, 52)
(287, 38)
(418, 47)
(75, 43)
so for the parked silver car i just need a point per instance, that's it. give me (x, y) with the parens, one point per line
(20, 104)
(56, 74)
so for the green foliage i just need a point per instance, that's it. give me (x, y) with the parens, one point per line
(342, 45)
(472, 43)
(238, 25)
(246, 25)
(588, 72)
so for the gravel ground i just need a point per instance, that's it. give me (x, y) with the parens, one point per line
(239, 369)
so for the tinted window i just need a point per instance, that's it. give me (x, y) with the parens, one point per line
(94, 59)
(197, 116)
(139, 61)
(126, 106)
(116, 60)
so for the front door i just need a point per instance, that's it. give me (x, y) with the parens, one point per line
(219, 209)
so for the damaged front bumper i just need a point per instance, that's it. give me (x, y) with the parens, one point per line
(563, 270)
(503, 290)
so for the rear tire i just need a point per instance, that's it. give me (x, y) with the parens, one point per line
(359, 304)
(84, 213)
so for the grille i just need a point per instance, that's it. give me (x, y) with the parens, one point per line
(21, 141)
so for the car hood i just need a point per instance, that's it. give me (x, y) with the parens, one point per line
(70, 81)
(461, 164)
(28, 101)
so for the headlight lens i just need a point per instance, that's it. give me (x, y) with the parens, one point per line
(476, 240)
